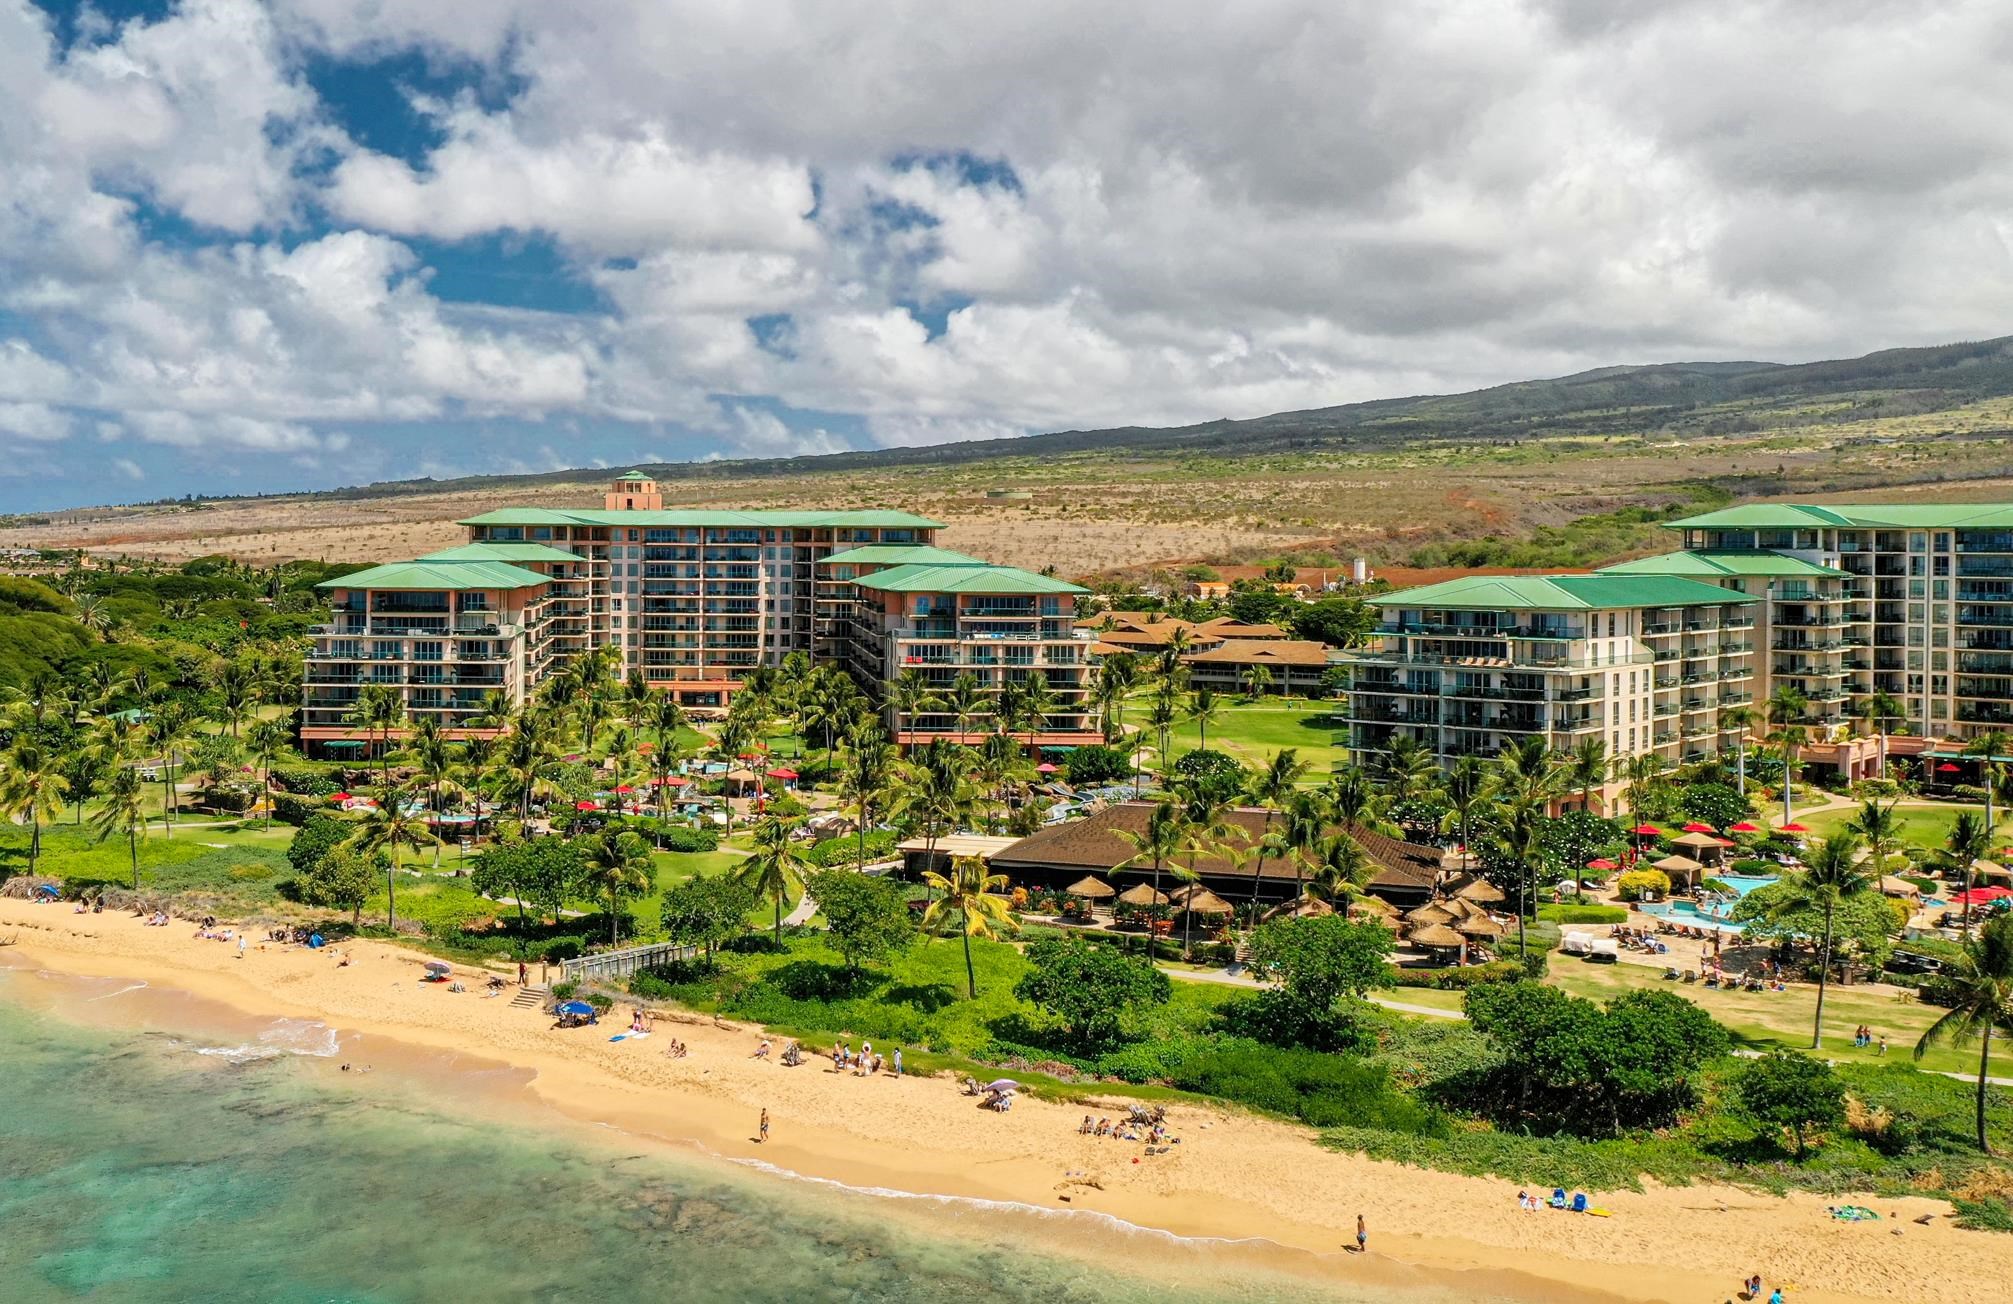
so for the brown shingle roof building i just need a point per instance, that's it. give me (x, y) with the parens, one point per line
(1062, 853)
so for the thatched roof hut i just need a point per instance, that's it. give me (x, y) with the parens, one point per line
(1199, 900)
(1433, 912)
(1091, 887)
(1439, 937)
(1142, 894)
(1482, 891)
(1305, 907)
(1480, 926)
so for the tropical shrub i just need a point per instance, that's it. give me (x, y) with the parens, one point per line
(1581, 914)
(1089, 766)
(1638, 883)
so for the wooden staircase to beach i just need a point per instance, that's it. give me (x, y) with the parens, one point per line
(528, 998)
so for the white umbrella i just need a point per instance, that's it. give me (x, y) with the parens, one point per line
(1003, 1084)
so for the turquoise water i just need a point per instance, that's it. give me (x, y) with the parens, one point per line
(1684, 912)
(164, 1166)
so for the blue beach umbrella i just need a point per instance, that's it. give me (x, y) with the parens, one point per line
(576, 1007)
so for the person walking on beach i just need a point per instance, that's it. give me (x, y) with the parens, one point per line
(898, 1061)
(241, 946)
(1362, 1236)
(523, 974)
(764, 1136)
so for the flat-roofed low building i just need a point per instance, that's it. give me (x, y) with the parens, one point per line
(1282, 665)
(1469, 666)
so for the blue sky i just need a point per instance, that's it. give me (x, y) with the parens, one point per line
(252, 247)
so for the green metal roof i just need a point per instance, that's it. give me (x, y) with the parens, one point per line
(1561, 593)
(1787, 516)
(627, 476)
(900, 554)
(431, 576)
(963, 578)
(510, 552)
(692, 517)
(1706, 563)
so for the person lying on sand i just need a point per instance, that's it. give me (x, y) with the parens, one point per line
(762, 1051)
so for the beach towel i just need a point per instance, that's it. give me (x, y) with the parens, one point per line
(629, 1036)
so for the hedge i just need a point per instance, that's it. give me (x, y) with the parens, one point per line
(1578, 914)
(1496, 971)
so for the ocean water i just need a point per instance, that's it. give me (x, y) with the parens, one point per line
(157, 1158)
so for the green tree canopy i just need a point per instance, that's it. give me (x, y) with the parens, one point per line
(1861, 926)
(708, 911)
(541, 872)
(1318, 960)
(316, 838)
(868, 916)
(1337, 621)
(1715, 804)
(1089, 989)
(341, 878)
(1792, 1091)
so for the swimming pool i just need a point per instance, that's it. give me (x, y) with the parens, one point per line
(1684, 912)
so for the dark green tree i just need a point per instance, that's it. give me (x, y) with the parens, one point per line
(342, 878)
(1791, 1091)
(1089, 989)
(868, 916)
(1318, 960)
(708, 912)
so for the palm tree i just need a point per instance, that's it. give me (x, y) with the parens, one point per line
(379, 708)
(1879, 709)
(1354, 798)
(1587, 768)
(1739, 720)
(617, 865)
(267, 741)
(1978, 986)
(1786, 707)
(237, 690)
(1641, 772)
(1179, 644)
(1520, 839)
(1966, 845)
(1830, 875)
(32, 787)
(1158, 843)
(1116, 677)
(934, 791)
(1343, 869)
(1256, 679)
(870, 764)
(478, 753)
(433, 757)
(1405, 768)
(167, 726)
(1038, 702)
(124, 812)
(775, 867)
(526, 749)
(1205, 823)
(1270, 788)
(1161, 716)
(1203, 708)
(385, 828)
(1988, 747)
(909, 696)
(1881, 827)
(967, 700)
(1466, 785)
(1301, 836)
(973, 894)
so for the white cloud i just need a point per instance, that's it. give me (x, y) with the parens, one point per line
(127, 467)
(975, 222)
(35, 421)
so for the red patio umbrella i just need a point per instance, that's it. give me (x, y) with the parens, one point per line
(1696, 827)
(1045, 768)
(341, 796)
(1648, 831)
(782, 773)
(1793, 827)
(586, 805)
(1978, 896)
(624, 788)
(671, 781)
(1602, 863)
(1947, 768)
(646, 747)
(1745, 826)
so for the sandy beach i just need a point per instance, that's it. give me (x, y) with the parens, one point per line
(1233, 1176)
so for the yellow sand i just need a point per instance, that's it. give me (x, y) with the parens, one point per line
(1232, 1175)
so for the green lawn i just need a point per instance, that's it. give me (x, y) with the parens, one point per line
(1254, 731)
(1766, 1020)
(1921, 826)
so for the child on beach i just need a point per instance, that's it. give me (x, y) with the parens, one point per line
(765, 1126)
(1362, 1235)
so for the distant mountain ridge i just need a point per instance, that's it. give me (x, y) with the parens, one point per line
(1705, 398)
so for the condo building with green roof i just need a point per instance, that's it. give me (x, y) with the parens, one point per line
(692, 599)
(1892, 624)
(1646, 663)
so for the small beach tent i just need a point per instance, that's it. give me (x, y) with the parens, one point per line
(1142, 894)
(1577, 943)
(1302, 907)
(1375, 907)
(1679, 867)
(1899, 887)
(1199, 900)
(783, 772)
(1437, 937)
(1991, 872)
(1092, 888)
(1481, 891)
(740, 782)
(1704, 845)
